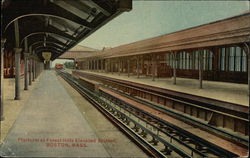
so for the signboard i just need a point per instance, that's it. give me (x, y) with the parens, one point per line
(46, 56)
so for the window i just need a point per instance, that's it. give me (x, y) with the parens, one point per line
(210, 61)
(235, 59)
(231, 58)
(244, 61)
(238, 56)
(222, 61)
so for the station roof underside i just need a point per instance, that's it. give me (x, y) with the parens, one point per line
(234, 30)
(55, 25)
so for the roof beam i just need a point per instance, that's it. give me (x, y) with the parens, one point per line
(48, 43)
(82, 11)
(97, 6)
(48, 49)
(49, 11)
(41, 46)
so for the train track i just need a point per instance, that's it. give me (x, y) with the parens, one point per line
(232, 136)
(156, 136)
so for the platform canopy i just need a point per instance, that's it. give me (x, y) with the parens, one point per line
(55, 25)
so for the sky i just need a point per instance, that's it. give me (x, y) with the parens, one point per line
(154, 18)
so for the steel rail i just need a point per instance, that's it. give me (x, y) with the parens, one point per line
(184, 118)
(199, 123)
(149, 149)
(213, 148)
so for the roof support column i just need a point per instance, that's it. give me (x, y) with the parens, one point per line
(33, 68)
(17, 61)
(122, 65)
(26, 81)
(17, 72)
(119, 66)
(174, 55)
(30, 71)
(247, 50)
(101, 65)
(106, 65)
(200, 68)
(128, 66)
(89, 65)
(97, 65)
(137, 66)
(111, 66)
(36, 69)
(26, 64)
(1, 79)
(153, 66)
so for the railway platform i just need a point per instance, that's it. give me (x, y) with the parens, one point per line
(228, 92)
(51, 124)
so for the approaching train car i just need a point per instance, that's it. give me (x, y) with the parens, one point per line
(59, 66)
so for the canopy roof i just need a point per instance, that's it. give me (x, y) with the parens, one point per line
(55, 25)
(230, 31)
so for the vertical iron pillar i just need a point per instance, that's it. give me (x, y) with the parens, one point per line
(247, 50)
(101, 64)
(137, 67)
(175, 65)
(30, 71)
(26, 64)
(17, 73)
(26, 72)
(248, 70)
(200, 68)
(128, 67)
(1, 79)
(33, 69)
(119, 67)
(153, 67)
(97, 65)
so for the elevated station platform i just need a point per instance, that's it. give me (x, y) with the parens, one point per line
(228, 92)
(52, 124)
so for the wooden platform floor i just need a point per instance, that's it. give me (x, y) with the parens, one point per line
(51, 125)
(229, 92)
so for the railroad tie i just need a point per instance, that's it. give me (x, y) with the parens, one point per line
(143, 134)
(201, 148)
(166, 150)
(136, 129)
(154, 141)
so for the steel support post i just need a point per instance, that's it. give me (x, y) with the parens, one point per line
(248, 70)
(137, 67)
(96, 68)
(153, 67)
(200, 68)
(128, 67)
(17, 72)
(101, 66)
(111, 67)
(247, 50)
(174, 57)
(30, 71)
(26, 72)
(1, 79)
(33, 69)
(26, 64)
(119, 67)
